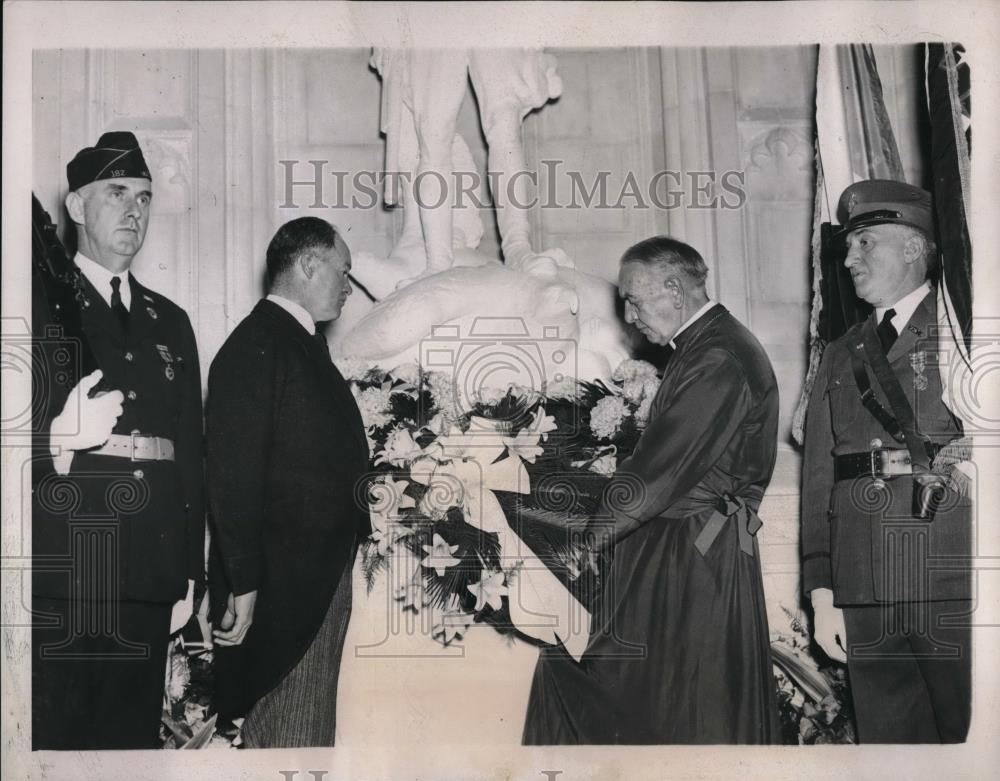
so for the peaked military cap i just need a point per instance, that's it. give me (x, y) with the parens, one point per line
(881, 201)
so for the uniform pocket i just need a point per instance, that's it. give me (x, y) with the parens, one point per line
(844, 400)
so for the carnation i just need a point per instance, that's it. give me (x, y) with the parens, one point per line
(649, 389)
(178, 676)
(607, 415)
(442, 389)
(565, 388)
(633, 369)
(407, 372)
(353, 368)
(374, 406)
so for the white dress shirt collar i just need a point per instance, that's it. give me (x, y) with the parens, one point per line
(100, 278)
(905, 307)
(705, 307)
(295, 310)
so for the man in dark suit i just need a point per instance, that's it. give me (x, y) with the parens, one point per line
(286, 454)
(678, 649)
(117, 513)
(886, 572)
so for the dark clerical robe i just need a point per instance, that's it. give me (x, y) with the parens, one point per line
(679, 649)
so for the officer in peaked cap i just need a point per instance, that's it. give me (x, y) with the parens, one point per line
(883, 202)
(118, 521)
(885, 497)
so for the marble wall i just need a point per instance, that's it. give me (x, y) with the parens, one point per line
(217, 124)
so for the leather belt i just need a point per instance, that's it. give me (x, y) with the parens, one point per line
(136, 447)
(877, 463)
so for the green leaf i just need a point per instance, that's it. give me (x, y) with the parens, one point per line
(803, 672)
(203, 735)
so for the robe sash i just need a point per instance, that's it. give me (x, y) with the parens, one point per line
(728, 507)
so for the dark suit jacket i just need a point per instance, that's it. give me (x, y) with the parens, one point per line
(154, 510)
(860, 541)
(287, 456)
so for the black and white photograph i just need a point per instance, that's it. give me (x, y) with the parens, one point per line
(511, 390)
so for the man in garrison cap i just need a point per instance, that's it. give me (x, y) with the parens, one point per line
(117, 511)
(886, 513)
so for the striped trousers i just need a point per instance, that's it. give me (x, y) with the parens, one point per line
(301, 710)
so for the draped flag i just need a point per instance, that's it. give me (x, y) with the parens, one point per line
(949, 109)
(854, 141)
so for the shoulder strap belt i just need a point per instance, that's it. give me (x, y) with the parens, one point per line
(880, 413)
(903, 425)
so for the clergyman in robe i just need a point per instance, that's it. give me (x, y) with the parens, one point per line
(679, 649)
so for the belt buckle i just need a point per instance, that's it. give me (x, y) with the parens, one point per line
(875, 464)
(132, 455)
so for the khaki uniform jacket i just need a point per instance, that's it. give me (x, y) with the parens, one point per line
(861, 540)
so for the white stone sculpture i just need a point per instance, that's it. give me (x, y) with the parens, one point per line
(434, 288)
(422, 93)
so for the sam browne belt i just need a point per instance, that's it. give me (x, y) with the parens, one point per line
(136, 447)
(877, 463)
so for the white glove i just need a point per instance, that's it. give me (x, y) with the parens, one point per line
(183, 610)
(954, 463)
(828, 625)
(84, 422)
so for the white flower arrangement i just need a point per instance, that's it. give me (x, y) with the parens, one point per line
(633, 369)
(566, 388)
(400, 448)
(178, 675)
(607, 416)
(374, 406)
(639, 383)
(353, 368)
(407, 372)
(648, 392)
(442, 389)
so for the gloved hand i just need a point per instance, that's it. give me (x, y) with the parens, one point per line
(84, 422)
(828, 625)
(954, 463)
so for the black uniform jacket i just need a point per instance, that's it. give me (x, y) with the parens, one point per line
(860, 539)
(150, 514)
(287, 458)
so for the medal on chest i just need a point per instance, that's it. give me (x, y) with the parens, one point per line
(918, 362)
(168, 359)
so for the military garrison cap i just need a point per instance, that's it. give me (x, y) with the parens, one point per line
(116, 156)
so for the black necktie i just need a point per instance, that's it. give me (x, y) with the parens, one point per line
(320, 338)
(886, 331)
(117, 305)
